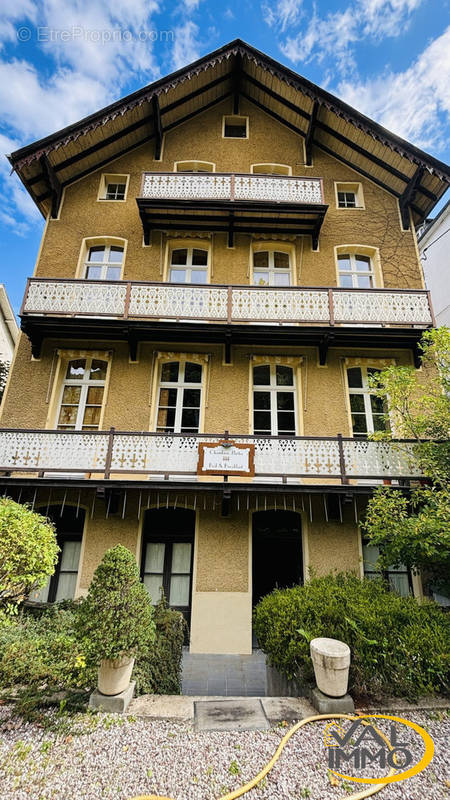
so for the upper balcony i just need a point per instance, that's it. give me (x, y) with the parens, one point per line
(309, 316)
(228, 203)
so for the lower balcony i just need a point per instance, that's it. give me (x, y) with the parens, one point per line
(316, 316)
(193, 457)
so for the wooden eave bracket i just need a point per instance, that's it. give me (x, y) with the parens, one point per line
(408, 196)
(309, 138)
(157, 125)
(55, 186)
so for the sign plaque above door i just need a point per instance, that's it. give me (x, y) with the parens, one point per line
(226, 457)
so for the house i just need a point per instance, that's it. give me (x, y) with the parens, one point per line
(433, 241)
(229, 253)
(9, 330)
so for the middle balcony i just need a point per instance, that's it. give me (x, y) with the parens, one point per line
(228, 203)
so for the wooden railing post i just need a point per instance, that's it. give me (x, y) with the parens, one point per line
(109, 452)
(430, 306)
(344, 479)
(331, 305)
(229, 303)
(127, 300)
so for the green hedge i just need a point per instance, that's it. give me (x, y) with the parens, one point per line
(398, 646)
(42, 649)
(158, 671)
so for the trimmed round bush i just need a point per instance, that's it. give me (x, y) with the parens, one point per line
(116, 618)
(398, 646)
(28, 554)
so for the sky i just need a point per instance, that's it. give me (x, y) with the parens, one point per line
(61, 60)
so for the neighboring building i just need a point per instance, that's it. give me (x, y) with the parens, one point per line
(9, 330)
(434, 247)
(230, 249)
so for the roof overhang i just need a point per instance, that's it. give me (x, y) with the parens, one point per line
(236, 70)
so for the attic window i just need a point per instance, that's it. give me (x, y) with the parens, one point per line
(113, 187)
(235, 127)
(349, 195)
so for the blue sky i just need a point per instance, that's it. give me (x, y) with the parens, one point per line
(63, 59)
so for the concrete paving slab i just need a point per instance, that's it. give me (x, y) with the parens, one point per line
(176, 707)
(245, 714)
(286, 709)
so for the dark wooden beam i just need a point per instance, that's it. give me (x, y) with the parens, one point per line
(237, 73)
(107, 160)
(197, 111)
(408, 197)
(364, 172)
(54, 183)
(157, 127)
(192, 95)
(273, 114)
(309, 138)
(324, 344)
(276, 96)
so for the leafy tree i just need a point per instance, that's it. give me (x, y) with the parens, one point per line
(415, 529)
(116, 618)
(28, 554)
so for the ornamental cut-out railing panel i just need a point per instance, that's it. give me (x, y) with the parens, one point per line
(226, 186)
(171, 455)
(231, 304)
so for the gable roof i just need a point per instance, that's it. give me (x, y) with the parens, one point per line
(235, 70)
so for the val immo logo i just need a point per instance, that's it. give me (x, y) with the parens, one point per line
(361, 746)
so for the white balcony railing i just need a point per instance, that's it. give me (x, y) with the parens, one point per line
(154, 454)
(219, 186)
(232, 304)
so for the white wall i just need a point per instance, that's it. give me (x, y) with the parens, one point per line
(435, 257)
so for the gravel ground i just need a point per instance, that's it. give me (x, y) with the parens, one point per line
(118, 758)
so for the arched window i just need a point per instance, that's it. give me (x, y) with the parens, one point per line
(104, 262)
(356, 270)
(180, 397)
(69, 530)
(274, 407)
(271, 169)
(189, 265)
(271, 268)
(82, 394)
(194, 166)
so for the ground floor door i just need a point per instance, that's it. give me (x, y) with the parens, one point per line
(167, 556)
(277, 551)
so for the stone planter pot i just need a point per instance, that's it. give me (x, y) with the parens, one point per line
(114, 675)
(331, 661)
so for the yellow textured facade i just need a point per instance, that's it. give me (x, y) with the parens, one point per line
(222, 567)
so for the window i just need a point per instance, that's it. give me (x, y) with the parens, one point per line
(82, 394)
(271, 169)
(235, 127)
(167, 568)
(69, 528)
(349, 195)
(367, 410)
(346, 199)
(356, 271)
(271, 268)
(113, 187)
(104, 262)
(180, 395)
(399, 579)
(188, 265)
(273, 400)
(194, 166)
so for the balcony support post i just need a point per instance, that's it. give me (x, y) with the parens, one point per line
(231, 229)
(228, 342)
(344, 479)
(109, 452)
(323, 348)
(132, 346)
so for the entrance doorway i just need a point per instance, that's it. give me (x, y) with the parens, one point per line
(277, 551)
(167, 556)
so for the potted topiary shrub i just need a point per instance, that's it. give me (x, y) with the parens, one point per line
(116, 619)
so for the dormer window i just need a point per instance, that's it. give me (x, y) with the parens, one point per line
(235, 127)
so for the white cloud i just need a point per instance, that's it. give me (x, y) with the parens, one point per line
(283, 14)
(186, 47)
(415, 103)
(335, 34)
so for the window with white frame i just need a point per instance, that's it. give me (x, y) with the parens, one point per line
(180, 397)
(367, 410)
(271, 169)
(274, 406)
(188, 265)
(194, 166)
(104, 262)
(398, 578)
(235, 127)
(349, 195)
(82, 394)
(271, 268)
(356, 271)
(347, 199)
(113, 187)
